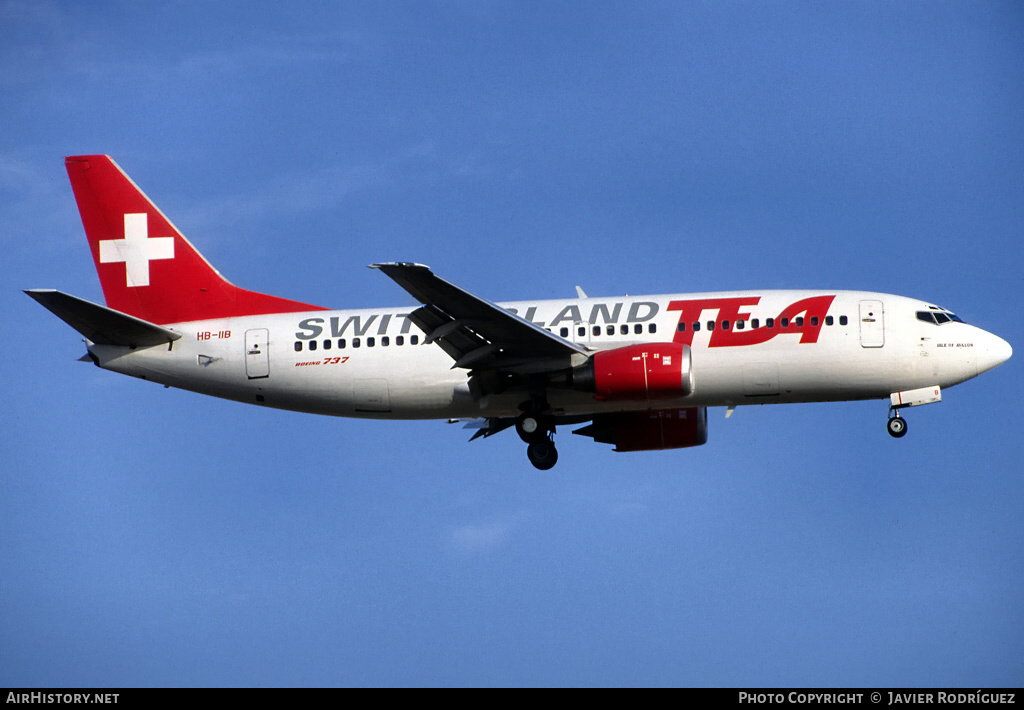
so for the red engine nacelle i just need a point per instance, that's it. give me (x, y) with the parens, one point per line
(637, 373)
(650, 430)
(659, 429)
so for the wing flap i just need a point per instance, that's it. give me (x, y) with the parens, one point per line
(452, 335)
(487, 427)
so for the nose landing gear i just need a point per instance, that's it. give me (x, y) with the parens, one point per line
(896, 425)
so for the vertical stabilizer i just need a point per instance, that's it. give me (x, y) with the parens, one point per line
(146, 267)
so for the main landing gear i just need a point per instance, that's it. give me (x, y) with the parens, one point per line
(896, 425)
(538, 431)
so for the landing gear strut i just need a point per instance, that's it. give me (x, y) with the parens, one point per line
(538, 431)
(896, 425)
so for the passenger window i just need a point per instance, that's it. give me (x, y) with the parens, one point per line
(356, 342)
(740, 324)
(681, 327)
(843, 320)
(298, 346)
(385, 341)
(610, 330)
(814, 321)
(784, 322)
(696, 326)
(341, 343)
(370, 342)
(828, 320)
(596, 330)
(711, 325)
(327, 345)
(652, 328)
(399, 340)
(799, 321)
(414, 339)
(753, 323)
(312, 345)
(564, 332)
(725, 325)
(638, 329)
(624, 329)
(581, 331)
(769, 323)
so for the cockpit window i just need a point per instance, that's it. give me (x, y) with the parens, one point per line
(937, 315)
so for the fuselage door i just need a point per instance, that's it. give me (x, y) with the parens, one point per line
(872, 324)
(257, 355)
(580, 333)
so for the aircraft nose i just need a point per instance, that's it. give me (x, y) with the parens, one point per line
(994, 351)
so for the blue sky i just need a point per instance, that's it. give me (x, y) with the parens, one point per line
(156, 537)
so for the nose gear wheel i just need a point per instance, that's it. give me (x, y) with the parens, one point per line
(897, 425)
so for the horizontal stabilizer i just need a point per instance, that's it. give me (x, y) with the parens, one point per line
(102, 325)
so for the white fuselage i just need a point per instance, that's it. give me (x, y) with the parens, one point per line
(375, 363)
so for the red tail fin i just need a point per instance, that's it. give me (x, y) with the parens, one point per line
(146, 267)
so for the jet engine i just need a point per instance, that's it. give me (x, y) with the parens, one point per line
(650, 430)
(649, 371)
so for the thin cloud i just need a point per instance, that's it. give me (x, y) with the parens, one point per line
(36, 210)
(326, 187)
(329, 48)
(287, 194)
(40, 44)
(481, 537)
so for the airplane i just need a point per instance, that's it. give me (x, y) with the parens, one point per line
(637, 372)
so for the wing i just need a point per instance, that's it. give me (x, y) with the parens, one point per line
(478, 334)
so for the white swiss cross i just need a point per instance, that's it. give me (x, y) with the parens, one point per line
(136, 250)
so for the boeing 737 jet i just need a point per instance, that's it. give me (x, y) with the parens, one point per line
(637, 372)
